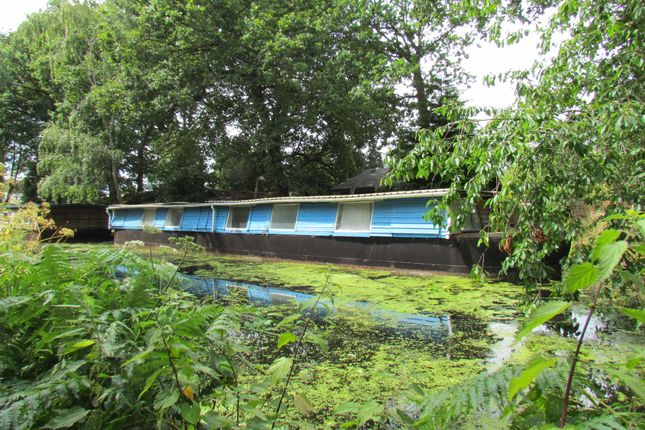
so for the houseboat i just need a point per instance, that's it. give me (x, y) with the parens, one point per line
(386, 229)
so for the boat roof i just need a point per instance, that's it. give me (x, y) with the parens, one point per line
(297, 199)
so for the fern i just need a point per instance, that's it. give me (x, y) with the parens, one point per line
(485, 392)
(603, 422)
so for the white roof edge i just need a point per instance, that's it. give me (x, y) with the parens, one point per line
(297, 199)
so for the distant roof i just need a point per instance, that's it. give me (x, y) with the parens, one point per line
(302, 199)
(368, 179)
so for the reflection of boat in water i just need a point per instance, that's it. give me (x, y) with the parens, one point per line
(427, 326)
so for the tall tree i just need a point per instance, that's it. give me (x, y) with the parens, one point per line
(424, 42)
(573, 138)
(25, 107)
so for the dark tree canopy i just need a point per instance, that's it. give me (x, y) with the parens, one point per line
(105, 101)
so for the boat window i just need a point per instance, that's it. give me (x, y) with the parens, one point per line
(354, 216)
(284, 217)
(173, 219)
(148, 217)
(238, 217)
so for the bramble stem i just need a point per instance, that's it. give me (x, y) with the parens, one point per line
(567, 391)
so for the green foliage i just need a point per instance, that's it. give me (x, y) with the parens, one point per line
(542, 314)
(528, 375)
(121, 352)
(537, 394)
(569, 151)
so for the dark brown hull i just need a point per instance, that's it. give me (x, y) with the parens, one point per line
(456, 255)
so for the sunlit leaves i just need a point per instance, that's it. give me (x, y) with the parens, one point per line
(580, 276)
(166, 398)
(279, 370)
(79, 345)
(67, 418)
(606, 237)
(609, 256)
(634, 383)
(528, 375)
(637, 314)
(190, 412)
(285, 339)
(540, 315)
(364, 412)
(303, 404)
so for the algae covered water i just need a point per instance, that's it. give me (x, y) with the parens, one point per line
(389, 333)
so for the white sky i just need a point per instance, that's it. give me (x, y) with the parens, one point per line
(485, 59)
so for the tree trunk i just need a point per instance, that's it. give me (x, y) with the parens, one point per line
(419, 85)
(115, 183)
(141, 160)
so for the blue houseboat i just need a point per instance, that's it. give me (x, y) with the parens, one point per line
(379, 229)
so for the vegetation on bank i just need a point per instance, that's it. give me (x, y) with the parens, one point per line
(82, 347)
(99, 100)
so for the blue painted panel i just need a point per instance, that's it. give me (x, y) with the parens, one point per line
(403, 218)
(220, 218)
(133, 219)
(196, 219)
(205, 219)
(259, 219)
(118, 218)
(190, 219)
(160, 218)
(318, 219)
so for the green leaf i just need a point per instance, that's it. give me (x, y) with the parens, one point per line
(641, 226)
(67, 418)
(190, 412)
(166, 398)
(603, 422)
(369, 411)
(540, 315)
(609, 256)
(303, 404)
(579, 277)
(407, 419)
(150, 380)
(11, 301)
(605, 238)
(637, 314)
(215, 421)
(138, 357)
(286, 338)
(317, 340)
(528, 375)
(280, 369)
(80, 345)
(347, 408)
(288, 320)
(634, 384)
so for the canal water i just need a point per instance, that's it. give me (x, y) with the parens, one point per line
(388, 334)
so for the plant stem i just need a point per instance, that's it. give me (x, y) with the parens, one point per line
(174, 368)
(235, 379)
(163, 290)
(154, 271)
(567, 391)
(297, 351)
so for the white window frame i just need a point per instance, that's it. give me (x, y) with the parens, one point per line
(295, 222)
(181, 217)
(143, 217)
(230, 214)
(369, 227)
